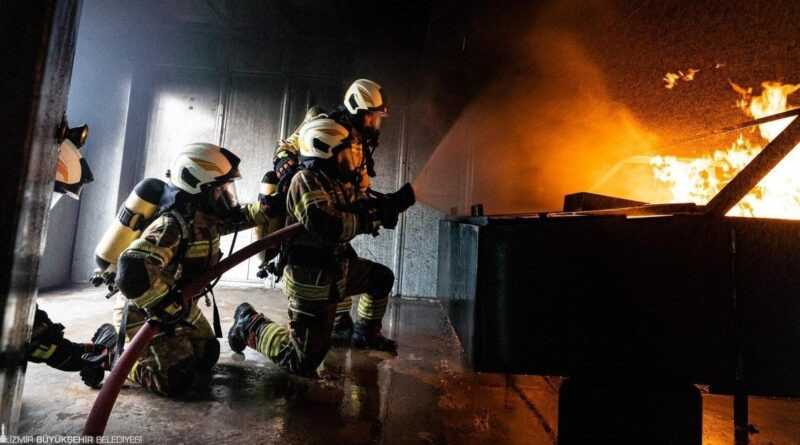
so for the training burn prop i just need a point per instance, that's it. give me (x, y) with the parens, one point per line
(699, 179)
(634, 303)
(101, 410)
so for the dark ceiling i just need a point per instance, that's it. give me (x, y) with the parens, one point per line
(396, 24)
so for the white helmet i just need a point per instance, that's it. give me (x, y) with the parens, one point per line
(321, 138)
(201, 163)
(72, 171)
(365, 95)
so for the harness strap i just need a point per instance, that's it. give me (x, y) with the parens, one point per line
(123, 329)
(217, 324)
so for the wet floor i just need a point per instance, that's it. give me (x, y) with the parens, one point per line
(424, 394)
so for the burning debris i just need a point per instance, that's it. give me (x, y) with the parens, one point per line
(672, 78)
(697, 180)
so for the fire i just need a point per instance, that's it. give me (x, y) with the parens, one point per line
(698, 180)
(671, 78)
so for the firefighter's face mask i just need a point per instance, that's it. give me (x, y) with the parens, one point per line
(222, 199)
(371, 129)
(350, 162)
(373, 120)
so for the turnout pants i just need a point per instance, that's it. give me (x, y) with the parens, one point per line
(168, 365)
(313, 302)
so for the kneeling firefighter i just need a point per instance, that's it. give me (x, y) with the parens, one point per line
(319, 271)
(47, 344)
(198, 206)
(361, 111)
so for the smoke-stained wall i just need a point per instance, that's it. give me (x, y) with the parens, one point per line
(149, 79)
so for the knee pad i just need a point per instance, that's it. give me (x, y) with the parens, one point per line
(180, 377)
(209, 356)
(381, 281)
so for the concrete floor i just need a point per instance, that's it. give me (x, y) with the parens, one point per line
(423, 395)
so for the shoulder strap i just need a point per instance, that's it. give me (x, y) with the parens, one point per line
(185, 235)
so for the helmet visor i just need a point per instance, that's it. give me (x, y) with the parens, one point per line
(222, 198)
(228, 193)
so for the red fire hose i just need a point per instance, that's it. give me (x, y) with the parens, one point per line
(101, 410)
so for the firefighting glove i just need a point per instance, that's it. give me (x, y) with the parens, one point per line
(237, 215)
(386, 212)
(105, 276)
(273, 205)
(403, 198)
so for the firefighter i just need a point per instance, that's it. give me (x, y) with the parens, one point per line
(47, 344)
(199, 206)
(319, 270)
(363, 108)
(92, 359)
(269, 192)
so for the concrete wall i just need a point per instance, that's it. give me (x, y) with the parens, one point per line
(148, 85)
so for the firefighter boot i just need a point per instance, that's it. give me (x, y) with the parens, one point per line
(244, 331)
(103, 353)
(367, 335)
(343, 327)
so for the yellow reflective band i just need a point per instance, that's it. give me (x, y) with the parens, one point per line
(366, 301)
(367, 308)
(43, 352)
(155, 356)
(309, 198)
(148, 299)
(199, 249)
(344, 306)
(196, 317)
(370, 315)
(272, 339)
(160, 260)
(256, 214)
(306, 291)
(145, 248)
(132, 373)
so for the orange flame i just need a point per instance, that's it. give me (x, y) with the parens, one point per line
(698, 180)
(671, 78)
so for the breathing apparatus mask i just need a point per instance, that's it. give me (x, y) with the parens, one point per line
(371, 129)
(220, 199)
(351, 162)
(369, 125)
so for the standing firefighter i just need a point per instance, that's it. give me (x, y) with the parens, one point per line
(320, 272)
(363, 108)
(178, 245)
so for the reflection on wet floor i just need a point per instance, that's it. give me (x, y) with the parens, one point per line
(424, 394)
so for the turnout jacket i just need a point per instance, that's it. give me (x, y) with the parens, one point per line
(149, 267)
(333, 213)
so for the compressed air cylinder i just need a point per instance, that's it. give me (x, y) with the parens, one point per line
(132, 218)
(269, 185)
